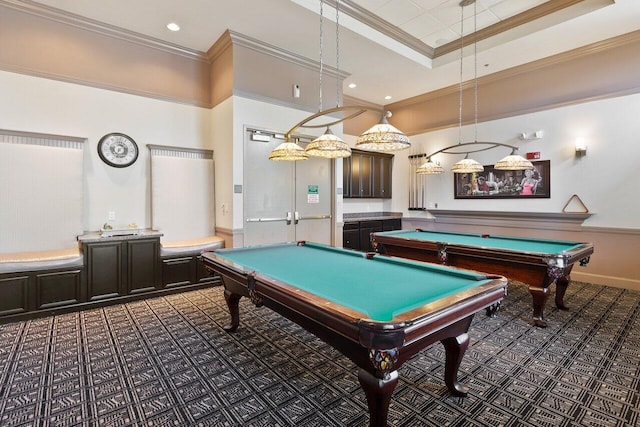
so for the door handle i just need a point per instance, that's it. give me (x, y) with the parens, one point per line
(296, 217)
(287, 219)
(314, 217)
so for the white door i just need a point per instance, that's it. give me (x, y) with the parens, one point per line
(284, 201)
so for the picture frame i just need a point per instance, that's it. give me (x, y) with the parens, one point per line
(503, 184)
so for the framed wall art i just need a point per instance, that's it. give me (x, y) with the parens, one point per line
(500, 184)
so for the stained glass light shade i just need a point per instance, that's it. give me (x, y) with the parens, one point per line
(513, 162)
(429, 168)
(467, 166)
(328, 146)
(289, 152)
(383, 137)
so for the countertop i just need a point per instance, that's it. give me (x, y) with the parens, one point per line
(371, 216)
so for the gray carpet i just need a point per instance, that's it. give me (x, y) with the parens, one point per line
(167, 362)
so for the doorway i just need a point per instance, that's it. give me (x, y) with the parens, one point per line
(284, 201)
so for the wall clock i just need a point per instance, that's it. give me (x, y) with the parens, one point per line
(118, 150)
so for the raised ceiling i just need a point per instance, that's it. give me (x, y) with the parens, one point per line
(400, 48)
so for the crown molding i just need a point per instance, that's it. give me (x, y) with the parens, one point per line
(67, 18)
(591, 49)
(357, 12)
(239, 39)
(541, 11)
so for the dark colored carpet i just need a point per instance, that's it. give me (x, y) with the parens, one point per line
(167, 362)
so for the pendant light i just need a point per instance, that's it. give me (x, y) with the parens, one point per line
(383, 137)
(329, 145)
(467, 165)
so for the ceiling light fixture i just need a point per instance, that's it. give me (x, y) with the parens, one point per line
(329, 145)
(511, 162)
(381, 137)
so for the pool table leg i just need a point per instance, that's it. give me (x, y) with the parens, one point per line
(232, 302)
(561, 288)
(378, 392)
(455, 348)
(539, 295)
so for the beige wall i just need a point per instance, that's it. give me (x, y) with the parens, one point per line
(55, 47)
(605, 69)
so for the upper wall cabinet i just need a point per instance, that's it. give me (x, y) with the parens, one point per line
(367, 174)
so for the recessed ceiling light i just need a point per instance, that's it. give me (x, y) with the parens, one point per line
(352, 85)
(173, 26)
(388, 97)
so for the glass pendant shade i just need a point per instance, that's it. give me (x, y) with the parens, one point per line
(328, 146)
(288, 151)
(467, 166)
(429, 168)
(513, 162)
(383, 137)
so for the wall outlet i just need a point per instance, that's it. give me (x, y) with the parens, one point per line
(112, 216)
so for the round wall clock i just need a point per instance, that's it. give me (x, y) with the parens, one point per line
(117, 150)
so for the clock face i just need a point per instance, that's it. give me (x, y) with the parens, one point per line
(117, 150)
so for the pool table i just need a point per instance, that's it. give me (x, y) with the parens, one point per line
(536, 262)
(378, 311)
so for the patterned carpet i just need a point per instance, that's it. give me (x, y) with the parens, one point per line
(167, 362)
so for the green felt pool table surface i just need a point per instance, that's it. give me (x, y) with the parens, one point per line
(381, 288)
(523, 244)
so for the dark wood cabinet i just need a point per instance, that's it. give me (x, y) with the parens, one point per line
(367, 175)
(111, 269)
(356, 234)
(122, 266)
(351, 235)
(184, 270)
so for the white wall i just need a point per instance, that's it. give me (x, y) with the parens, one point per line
(222, 138)
(606, 179)
(35, 104)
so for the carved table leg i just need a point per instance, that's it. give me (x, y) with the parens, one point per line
(455, 348)
(232, 302)
(378, 392)
(561, 288)
(539, 300)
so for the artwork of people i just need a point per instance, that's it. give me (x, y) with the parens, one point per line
(492, 183)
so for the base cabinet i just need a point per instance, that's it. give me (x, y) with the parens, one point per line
(112, 270)
(122, 267)
(184, 270)
(356, 234)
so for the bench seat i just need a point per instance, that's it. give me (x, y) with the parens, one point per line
(40, 260)
(191, 246)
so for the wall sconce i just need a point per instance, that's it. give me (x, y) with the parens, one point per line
(581, 147)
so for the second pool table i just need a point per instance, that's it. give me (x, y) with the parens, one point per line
(536, 262)
(378, 311)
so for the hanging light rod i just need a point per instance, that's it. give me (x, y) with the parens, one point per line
(510, 162)
(380, 137)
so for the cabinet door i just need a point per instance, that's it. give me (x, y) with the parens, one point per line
(392, 224)
(346, 177)
(143, 265)
(366, 181)
(366, 228)
(381, 176)
(105, 278)
(351, 236)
